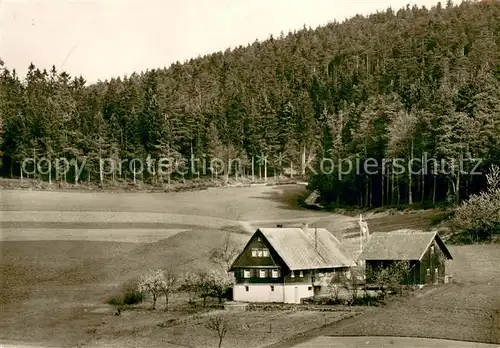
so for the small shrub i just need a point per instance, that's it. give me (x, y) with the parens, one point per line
(366, 300)
(115, 301)
(322, 300)
(297, 307)
(132, 298)
(128, 295)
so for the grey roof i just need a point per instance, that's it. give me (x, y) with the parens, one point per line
(400, 245)
(299, 251)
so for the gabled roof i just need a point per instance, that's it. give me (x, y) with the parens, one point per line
(401, 245)
(299, 250)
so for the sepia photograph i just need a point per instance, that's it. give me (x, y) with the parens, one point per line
(258, 174)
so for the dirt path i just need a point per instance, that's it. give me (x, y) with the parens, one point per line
(396, 342)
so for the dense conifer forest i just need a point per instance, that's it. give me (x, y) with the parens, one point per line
(372, 91)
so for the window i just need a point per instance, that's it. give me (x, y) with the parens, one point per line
(275, 273)
(309, 288)
(432, 249)
(262, 273)
(272, 287)
(246, 273)
(260, 252)
(246, 288)
(292, 275)
(301, 274)
(428, 271)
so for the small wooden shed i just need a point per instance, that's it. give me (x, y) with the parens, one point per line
(425, 252)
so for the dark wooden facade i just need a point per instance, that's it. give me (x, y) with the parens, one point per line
(429, 269)
(246, 261)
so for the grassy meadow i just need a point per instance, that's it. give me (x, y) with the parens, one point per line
(65, 253)
(468, 309)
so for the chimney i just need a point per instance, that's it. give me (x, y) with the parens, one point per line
(305, 228)
(364, 232)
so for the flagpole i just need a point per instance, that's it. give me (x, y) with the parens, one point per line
(361, 233)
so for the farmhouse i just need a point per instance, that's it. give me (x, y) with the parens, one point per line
(425, 252)
(287, 264)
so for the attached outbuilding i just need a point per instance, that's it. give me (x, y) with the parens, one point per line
(425, 252)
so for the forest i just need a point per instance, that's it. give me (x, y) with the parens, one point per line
(397, 85)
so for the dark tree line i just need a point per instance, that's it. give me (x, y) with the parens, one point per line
(394, 85)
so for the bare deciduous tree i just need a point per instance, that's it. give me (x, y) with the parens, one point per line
(169, 285)
(189, 284)
(152, 283)
(204, 286)
(220, 325)
(335, 285)
(353, 281)
(224, 255)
